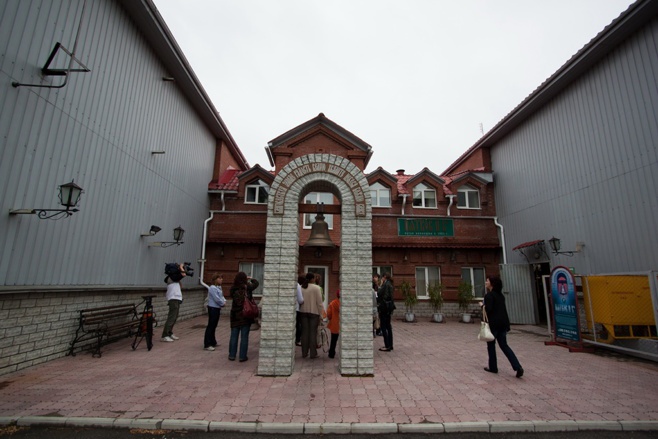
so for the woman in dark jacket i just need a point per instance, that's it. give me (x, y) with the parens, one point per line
(242, 286)
(494, 305)
(384, 299)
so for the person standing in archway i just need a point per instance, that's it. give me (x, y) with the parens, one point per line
(386, 306)
(311, 311)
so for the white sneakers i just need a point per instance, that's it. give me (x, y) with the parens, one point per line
(209, 348)
(173, 337)
(167, 339)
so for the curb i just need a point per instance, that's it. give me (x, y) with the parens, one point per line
(333, 428)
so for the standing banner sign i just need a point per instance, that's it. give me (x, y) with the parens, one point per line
(565, 304)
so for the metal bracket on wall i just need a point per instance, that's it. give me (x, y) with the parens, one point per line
(47, 71)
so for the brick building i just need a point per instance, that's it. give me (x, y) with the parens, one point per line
(425, 227)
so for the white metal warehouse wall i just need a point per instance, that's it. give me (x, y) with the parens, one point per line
(585, 167)
(100, 130)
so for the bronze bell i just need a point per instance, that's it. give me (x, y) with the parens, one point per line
(319, 232)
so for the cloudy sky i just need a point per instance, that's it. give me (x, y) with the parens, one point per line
(418, 80)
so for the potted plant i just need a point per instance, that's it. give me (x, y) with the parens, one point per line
(435, 292)
(410, 300)
(464, 298)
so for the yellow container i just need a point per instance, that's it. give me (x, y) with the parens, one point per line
(619, 307)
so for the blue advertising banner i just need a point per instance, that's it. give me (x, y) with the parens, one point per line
(565, 304)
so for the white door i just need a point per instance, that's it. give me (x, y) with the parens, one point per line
(518, 288)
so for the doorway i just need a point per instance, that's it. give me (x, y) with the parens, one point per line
(323, 271)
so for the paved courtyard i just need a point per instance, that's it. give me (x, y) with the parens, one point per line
(434, 375)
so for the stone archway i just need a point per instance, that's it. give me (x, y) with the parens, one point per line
(277, 341)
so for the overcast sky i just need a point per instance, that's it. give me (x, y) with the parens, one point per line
(415, 79)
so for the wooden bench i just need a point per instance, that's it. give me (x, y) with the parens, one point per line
(105, 323)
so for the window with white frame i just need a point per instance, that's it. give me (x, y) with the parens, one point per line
(314, 198)
(468, 197)
(256, 193)
(426, 276)
(475, 276)
(382, 269)
(424, 196)
(254, 270)
(380, 194)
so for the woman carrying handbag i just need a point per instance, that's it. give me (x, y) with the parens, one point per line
(494, 307)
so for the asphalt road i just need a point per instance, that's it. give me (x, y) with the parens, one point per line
(14, 432)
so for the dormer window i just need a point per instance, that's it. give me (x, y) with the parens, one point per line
(256, 193)
(381, 195)
(424, 196)
(468, 197)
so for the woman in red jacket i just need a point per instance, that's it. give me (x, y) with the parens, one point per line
(333, 314)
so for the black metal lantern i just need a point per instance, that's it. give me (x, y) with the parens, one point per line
(555, 244)
(69, 194)
(178, 234)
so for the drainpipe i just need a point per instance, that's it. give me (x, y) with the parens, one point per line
(502, 238)
(452, 199)
(404, 201)
(202, 261)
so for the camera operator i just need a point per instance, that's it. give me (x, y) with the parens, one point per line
(174, 300)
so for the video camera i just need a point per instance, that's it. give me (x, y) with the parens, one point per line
(173, 271)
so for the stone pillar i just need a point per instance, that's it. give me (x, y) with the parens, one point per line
(348, 183)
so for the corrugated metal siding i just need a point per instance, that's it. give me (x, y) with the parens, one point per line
(100, 130)
(585, 168)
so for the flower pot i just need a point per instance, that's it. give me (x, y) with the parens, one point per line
(466, 318)
(437, 317)
(409, 317)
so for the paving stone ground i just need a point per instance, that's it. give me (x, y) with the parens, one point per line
(434, 375)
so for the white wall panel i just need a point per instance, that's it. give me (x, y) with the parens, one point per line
(100, 130)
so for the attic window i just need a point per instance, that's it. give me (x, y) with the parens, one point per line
(380, 195)
(256, 193)
(424, 196)
(468, 197)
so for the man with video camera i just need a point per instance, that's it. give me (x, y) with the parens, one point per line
(175, 272)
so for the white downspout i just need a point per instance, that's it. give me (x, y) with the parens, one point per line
(202, 261)
(452, 199)
(404, 201)
(502, 238)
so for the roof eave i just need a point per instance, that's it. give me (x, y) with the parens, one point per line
(148, 20)
(607, 40)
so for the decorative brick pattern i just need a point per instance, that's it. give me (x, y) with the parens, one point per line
(277, 349)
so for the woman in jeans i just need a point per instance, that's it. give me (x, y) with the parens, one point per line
(494, 305)
(243, 286)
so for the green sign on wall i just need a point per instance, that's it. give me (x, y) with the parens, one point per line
(425, 227)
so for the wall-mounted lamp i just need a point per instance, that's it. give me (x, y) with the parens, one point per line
(178, 239)
(153, 231)
(69, 196)
(556, 244)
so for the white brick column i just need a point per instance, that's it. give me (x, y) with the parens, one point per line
(347, 182)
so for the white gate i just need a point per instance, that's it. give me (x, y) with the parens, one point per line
(518, 286)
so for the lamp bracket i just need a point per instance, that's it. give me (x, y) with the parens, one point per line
(165, 244)
(53, 214)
